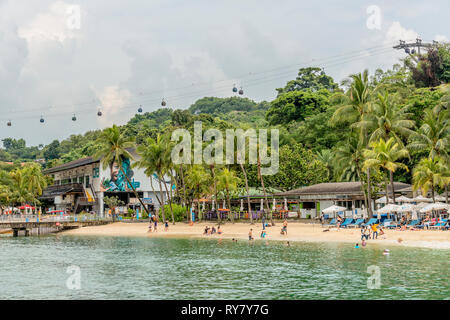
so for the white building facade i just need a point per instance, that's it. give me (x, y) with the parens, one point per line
(81, 185)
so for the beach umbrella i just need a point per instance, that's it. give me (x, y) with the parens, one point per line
(285, 204)
(414, 215)
(274, 204)
(223, 204)
(203, 206)
(421, 198)
(435, 206)
(242, 205)
(262, 204)
(212, 205)
(333, 209)
(389, 208)
(382, 200)
(403, 199)
(406, 208)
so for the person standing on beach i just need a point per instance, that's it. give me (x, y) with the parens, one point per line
(375, 231)
(166, 226)
(263, 222)
(156, 224)
(285, 224)
(250, 235)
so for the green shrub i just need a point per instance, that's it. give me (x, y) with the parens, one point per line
(179, 212)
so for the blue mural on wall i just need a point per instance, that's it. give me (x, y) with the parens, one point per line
(117, 180)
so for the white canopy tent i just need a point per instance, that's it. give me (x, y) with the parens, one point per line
(274, 204)
(435, 206)
(242, 205)
(440, 198)
(421, 198)
(382, 200)
(285, 204)
(389, 208)
(403, 199)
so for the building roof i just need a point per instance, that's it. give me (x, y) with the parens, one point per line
(71, 165)
(349, 188)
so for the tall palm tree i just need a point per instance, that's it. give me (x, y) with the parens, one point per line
(384, 154)
(354, 106)
(433, 134)
(155, 156)
(113, 148)
(349, 160)
(387, 120)
(228, 181)
(198, 182)
(429, 174)
(35, 180)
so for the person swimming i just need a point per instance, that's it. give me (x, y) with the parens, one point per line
(356, 246)
(386, 252)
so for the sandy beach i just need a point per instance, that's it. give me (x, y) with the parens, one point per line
(296, 232)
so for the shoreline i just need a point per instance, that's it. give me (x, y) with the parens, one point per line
(297, 232)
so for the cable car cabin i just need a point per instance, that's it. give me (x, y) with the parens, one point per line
(140, 110)
(42, 120)
(74, 118)
(163, 103)
(99, 113)
(235, 89)
(241, 92)
(9, 123)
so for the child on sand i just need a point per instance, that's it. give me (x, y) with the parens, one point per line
(356, 246)
(285, 224)
(166, 226)
(250, 234)
(219, 231)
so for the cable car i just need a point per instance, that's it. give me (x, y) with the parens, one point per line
(74, 118)
(9, 123)
(241, 92)
(99, 113)
(163, 102)
(413, 51)
(234, 88)
(42, 120)
(407, 50)
(140, 109)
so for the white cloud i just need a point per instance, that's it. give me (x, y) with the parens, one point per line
(396, 32)
(440, 38)
(50, 25)
(113, 100)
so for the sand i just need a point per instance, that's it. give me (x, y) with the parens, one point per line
(297, 231)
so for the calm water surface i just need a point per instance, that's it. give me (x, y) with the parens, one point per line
(140, 268)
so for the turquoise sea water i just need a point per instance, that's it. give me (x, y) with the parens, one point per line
(141, 268)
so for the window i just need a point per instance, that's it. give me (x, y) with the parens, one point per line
(86, 180)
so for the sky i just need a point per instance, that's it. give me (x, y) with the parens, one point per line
(59, 59)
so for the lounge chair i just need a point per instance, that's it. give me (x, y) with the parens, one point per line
(370, 222)
(332, 223)
(356, 224)
(413, 223)
(386, 223)
(347, 222)
(440, 224)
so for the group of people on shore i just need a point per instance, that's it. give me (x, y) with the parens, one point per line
(154, 223)
(212, 230)
(370, 231)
